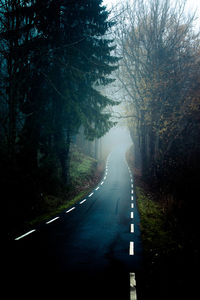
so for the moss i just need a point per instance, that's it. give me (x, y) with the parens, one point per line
(54, 207)
(82, 171)
(156, 232)
(82, 167)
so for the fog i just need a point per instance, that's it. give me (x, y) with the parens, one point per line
(117, 136)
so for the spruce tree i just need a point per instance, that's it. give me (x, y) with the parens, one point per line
(60, 52)
(81, 55)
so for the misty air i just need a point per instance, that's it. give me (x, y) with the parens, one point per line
(100, 148)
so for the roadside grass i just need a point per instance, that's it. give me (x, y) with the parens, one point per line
(157, 236)
(162, 274)
(82, 168)
(53, 207)
(85, 173)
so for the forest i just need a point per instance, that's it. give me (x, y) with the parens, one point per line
(160, 78)
(55, 55)
(58, 61)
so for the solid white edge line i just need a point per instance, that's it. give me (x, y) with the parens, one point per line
(131, 248)
(82, 201)
(25, 234)
(133, 294)
(69, 210)
(52, 220)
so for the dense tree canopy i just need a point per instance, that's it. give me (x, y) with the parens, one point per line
(53, 55)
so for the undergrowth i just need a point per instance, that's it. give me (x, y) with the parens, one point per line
(85, 173)
(170, 254)
(156, 232)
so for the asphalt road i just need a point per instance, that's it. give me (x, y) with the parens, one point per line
(89, 251)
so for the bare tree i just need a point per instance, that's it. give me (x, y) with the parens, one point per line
(159, 50)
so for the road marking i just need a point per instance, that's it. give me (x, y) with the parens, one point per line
(70, 210)
(133, 294)
(132, 215)
(97, 188)
(131, 180)
(52, 220)
(105, 178)
(131, 248)
(132, 205)
(90, 195)
(102, 182)
(132, 228)
(131, 191)
(132, 186)
(82, 201)
(21, 236)
(131, 198)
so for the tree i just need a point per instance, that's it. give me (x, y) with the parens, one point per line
(54, 55)
(159, 52)
(82, 56)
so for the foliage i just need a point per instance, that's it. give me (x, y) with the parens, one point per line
(160, 76)
(53, 55)
(82, 167)
(157, 235)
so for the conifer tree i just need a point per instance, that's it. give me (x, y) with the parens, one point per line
(81, 58)
(55, 53)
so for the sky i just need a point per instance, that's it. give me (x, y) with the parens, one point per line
(191, 5)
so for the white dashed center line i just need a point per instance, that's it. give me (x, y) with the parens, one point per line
(102, 182)
(132, 191)
(90, 195)
(97, 188)
(132, 205)
(52, 220)
(70, 210)
(131, 198)
(21, 236)
(131, 248)
(82, 201)
(132, 228)
(132, 215)
(133, 295)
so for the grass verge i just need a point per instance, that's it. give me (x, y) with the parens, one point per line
(165, 265)
(85, 173)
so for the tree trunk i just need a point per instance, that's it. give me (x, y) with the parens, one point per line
(64, 158)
